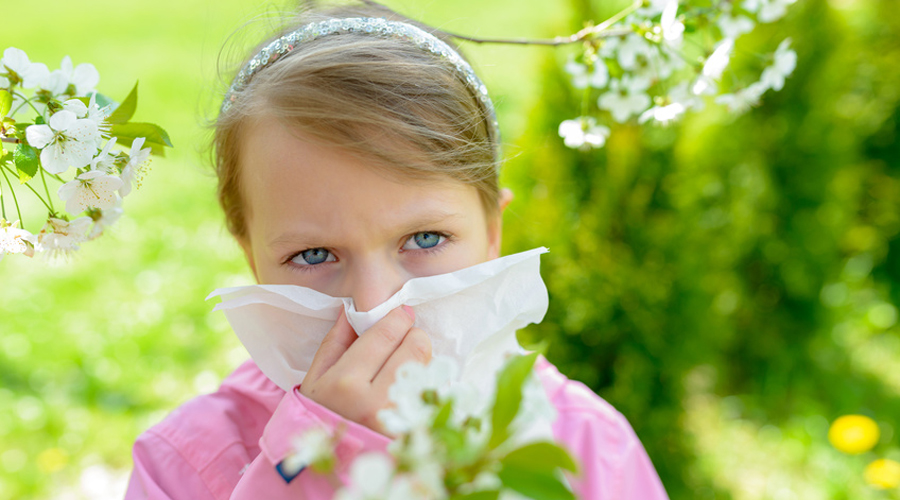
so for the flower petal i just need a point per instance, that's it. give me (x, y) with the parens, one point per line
(62, 120)
(39, 135)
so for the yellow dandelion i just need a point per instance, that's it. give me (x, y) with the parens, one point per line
(854, 434)
(883, 474)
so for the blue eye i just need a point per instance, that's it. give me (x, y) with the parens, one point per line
(313, 256)
(424, 240)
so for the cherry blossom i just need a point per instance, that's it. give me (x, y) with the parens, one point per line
(105, 218)
(785, 61)
(59, 236)
(133, 171)
(672, 28)
(583, 132)
(92, 189)
(663, 114)
(68, 141)
(626, 98)
(84, 78)
(581, 78)
(314, 445)
(13, 240)
(16, 66)
(734, 26)
(413, 379)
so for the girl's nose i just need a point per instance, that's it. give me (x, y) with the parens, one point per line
(371, 283)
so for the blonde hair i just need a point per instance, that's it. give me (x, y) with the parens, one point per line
(406, 110)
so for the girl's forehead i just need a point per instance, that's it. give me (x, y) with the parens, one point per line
(292, 179)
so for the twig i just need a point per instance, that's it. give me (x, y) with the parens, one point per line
(600, 31)
(10, 140)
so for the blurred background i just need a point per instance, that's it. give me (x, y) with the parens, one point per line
(729, 284)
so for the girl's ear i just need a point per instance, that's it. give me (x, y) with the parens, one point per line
(495, 225)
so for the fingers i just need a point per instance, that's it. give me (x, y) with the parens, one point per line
(333, 346)
(416, 346)
(369, 353)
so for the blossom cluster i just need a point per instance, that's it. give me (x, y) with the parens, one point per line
(68, 138)
(646, 67)
(452, 440)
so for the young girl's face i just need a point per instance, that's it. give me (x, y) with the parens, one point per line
(321, 218)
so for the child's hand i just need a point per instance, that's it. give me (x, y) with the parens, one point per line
(350, 374)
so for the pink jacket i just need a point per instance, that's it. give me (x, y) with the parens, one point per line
(227, 444)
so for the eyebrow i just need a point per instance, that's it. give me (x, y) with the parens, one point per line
(423, 221)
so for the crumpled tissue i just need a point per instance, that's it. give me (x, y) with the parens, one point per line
(470, 315)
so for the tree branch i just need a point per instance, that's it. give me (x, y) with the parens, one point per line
(591, 32)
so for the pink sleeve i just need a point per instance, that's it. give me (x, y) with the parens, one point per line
(162, 473)
(295, 415)
(614, 464)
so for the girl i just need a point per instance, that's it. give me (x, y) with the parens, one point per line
(353, 154)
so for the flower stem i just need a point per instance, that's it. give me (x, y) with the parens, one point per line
(52, 212)
(2, 203)
(15, 200)
(25, 101)
(49, 198)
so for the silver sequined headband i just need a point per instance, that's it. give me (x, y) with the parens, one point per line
(374, 26)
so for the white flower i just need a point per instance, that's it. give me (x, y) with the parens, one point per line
(713, 68)
(98, 114)
(681, 94)
(743, 99)
(625, 98)
(735, 26)
(632, 49)
(104, 161)
(133, 171)
(370, 478)
(663, 114)
(84, 77)
(12, 239)
(582, 79)
(413, 379)
(672, 28)
(107, 218)
(17, 62)
(93, 188)
(59, 237)
(773, 10)
(717, 62)
(68, 141)
(583, 132)
(768, 11)
(784, 64)
(312, 446)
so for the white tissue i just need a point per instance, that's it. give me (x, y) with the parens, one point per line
(470, 315)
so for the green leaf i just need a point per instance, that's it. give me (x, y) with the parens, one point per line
(509, 396)
(5, 103)
(125, 110)
(534, 485)
(540, 456)
(156, 138)
(478, 495)
(443, 415)
(27, 162)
